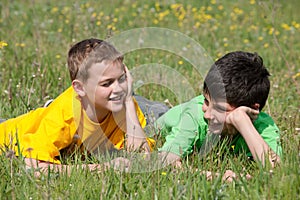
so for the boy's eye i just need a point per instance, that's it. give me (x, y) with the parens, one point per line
(206, 102)
(122, 78)
(106, 84)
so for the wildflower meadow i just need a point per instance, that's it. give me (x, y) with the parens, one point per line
(168, 46)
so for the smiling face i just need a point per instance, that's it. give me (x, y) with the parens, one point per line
(216, 112)
(105, 89)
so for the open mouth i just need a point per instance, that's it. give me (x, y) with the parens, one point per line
(116, 98)
(216, 128)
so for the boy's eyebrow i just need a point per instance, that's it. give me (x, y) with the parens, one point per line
(110, 79)
(218, 106)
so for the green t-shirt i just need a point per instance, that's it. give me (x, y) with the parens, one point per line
(184, 128)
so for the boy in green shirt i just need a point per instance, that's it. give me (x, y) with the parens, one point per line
(235, 91)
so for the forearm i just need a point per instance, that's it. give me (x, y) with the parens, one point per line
(45, 167)
(136, 137)
(257, 146)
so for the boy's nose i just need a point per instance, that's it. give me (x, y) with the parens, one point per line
(206, 110)
(116, 87)
(207, 114)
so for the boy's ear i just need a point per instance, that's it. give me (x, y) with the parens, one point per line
(78, 87)
(256, 106)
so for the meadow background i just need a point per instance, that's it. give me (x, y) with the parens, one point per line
(36, 35)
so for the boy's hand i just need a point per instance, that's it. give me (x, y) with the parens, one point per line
(238, 114)
(129, 83)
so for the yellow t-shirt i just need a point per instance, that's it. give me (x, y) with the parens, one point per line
(42, 133)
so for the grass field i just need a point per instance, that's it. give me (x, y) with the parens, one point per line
(36, 35)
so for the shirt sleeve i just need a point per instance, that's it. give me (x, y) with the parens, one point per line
(269, 132)
(42, 133)
(180, 127)
(143, 122)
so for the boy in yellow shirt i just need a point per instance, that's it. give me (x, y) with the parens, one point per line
(95, 114)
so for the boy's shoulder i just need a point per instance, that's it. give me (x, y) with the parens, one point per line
(264, 121)
(192, 108)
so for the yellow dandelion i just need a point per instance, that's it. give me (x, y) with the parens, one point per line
(157, 6)
(3, 44)
(180, 62)
(67, 21)
(296, 75)
(285, 27)
(295, 24)
(109, 26)
(197, 25)
(155, 21)
(246, 41)
(94, 15)
(87, 5)
(232, 27)
(54, 9)
(219, 55)
(260, 38)
(57, 56)
(59, 30)
(164, 173)
(209, 8)
(266, 45)
(252, 2)
(271, 31)
(98, 23)
(213, 1)
(115, 19)
(225, 44)
(220, 7)
(238, 11)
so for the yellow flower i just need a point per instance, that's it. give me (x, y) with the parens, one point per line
(220, 7)
(20, 45)
(260, 38)
(246, 41)
(180, 62)
(285, 26)
(296, 75)
(252, 2)
(213, 2)
(164, 173)
(3, 44)
(266, 45)
(271, 31)
(54, 9)
(238, 11)
(295, 24)
(57, 56)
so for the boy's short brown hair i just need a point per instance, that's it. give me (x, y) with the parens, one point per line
(87, 52)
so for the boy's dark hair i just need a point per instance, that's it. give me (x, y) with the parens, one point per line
(87, 52)
(239, 78)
